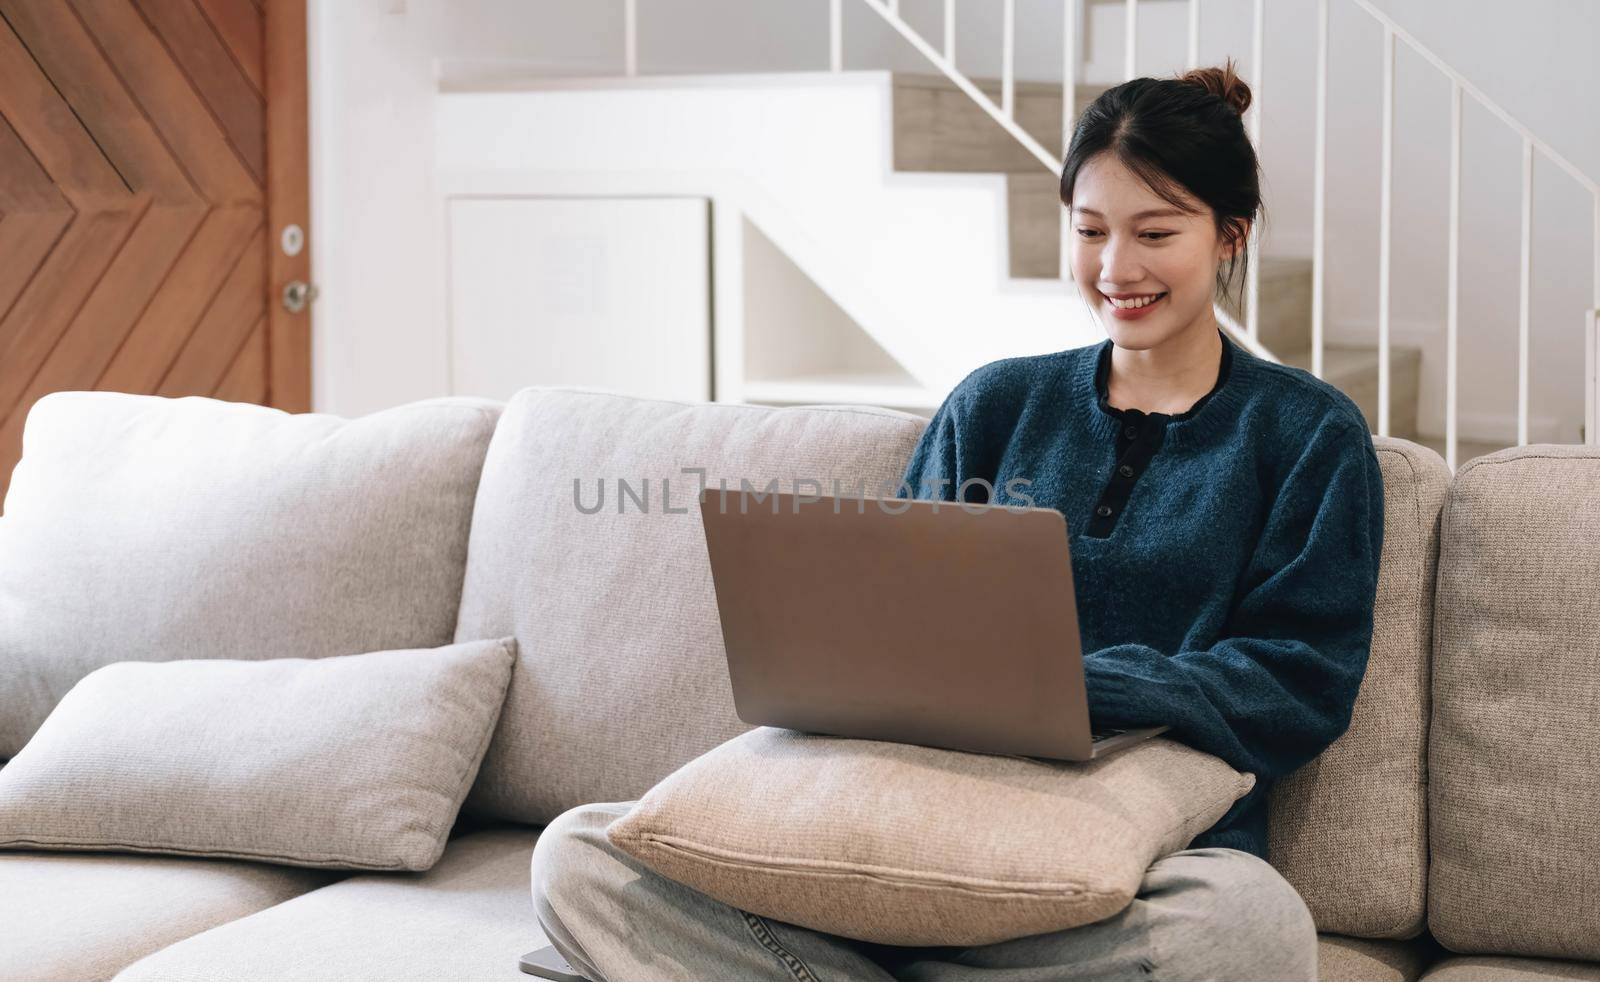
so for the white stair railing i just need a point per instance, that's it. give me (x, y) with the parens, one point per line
(1248, 335)
(1005, 113)
(1530, 143)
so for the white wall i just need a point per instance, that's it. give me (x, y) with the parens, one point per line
(372, 72)
(376, 341)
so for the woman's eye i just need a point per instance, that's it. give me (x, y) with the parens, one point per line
(1087, 232)
(1157, 236)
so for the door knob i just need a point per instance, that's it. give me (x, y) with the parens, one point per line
(296, 294)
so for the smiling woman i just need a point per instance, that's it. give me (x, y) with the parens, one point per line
(1162, 185)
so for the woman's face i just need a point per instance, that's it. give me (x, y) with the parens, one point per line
(1127, 242)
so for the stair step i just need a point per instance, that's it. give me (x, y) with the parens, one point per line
(937, 127)
(1353, 370)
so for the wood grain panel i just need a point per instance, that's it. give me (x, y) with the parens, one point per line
(191, 288)
(238, 23)
(140, 148)
(179, 113)
(205, 357)
(69, 59)
(246, 379)
(238, 107)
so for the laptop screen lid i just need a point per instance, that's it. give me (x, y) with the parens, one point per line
(933, 622)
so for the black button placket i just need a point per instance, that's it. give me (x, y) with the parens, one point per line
(1138, 440)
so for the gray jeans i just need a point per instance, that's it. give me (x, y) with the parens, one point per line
(1216, 914)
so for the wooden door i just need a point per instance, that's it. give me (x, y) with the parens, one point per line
(152, 152)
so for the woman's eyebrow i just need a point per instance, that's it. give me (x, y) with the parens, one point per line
(1151, 213)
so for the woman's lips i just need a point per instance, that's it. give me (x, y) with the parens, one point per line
(1133, 314)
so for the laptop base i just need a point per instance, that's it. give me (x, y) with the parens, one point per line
(547, 963)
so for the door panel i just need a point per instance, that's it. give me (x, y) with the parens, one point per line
(144, 147)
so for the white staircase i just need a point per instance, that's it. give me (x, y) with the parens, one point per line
(938, 128)
(917, 260)
(922, 210)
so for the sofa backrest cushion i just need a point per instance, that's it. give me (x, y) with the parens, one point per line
(142, 528)
(1349, 829)
(1514, 762)
(621, 677)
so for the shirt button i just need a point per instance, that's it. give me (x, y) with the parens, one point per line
(1125, 470)
(1103, 511)
(1132, 431)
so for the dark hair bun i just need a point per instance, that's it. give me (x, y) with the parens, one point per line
(1224, 83)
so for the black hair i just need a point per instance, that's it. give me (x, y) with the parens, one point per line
(1178, 134)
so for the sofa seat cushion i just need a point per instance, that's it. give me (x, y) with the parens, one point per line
(1349, 829)
(1512, 792)
(1345, 959)
(621, 676)
(1503, 969)
(141, 528)
(83, 916)
(469, 917)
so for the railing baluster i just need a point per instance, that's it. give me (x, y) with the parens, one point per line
(1525, 306)
(630, 37)
(1258, 67)
(1591, 374)
(1008, 31)
(1069, 115)
(1452, 323)
(1194, 34)
(1591, 430)
(1319, 230)
(835, 36)
(1130, 38)
(950, 31)
(1252, 322)
(1385, 231)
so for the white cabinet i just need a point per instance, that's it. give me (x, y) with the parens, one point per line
(603, 292)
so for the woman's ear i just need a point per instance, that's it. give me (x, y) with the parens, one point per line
(1239, 241)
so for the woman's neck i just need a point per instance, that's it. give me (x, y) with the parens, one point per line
(1169, 378)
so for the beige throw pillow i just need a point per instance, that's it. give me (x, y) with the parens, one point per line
(347, 762)
(907, 845)
(143, 528)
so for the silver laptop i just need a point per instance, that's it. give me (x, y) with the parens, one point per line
(935, 623)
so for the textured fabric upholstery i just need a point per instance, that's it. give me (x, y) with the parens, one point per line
(908, 845)
(1514, 763)
(1344, 959)
(468, 919)
(347, 762)
(621, 675)
(1488, 969)
(142, 528)
(1349, 829)
(81, 917)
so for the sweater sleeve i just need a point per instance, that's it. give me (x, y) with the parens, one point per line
(943, 459)
(1280, 686)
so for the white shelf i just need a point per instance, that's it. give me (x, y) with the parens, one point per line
(851, 388)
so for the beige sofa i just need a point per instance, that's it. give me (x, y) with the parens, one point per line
(1461, 805)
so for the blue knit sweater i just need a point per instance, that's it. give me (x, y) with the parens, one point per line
(1233, 597)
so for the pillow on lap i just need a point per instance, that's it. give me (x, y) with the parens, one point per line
(901, 844)
(346, 762)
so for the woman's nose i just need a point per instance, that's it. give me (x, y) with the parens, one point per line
(1118, 267)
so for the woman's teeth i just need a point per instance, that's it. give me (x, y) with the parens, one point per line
(1136, 302)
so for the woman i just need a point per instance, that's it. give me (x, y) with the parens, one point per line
(1225, 517)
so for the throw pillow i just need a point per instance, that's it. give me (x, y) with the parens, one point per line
(901, 844)
(143, 528)
(348, 762)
